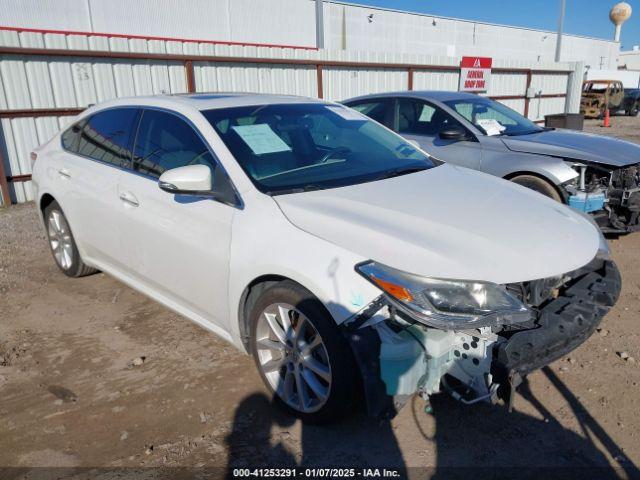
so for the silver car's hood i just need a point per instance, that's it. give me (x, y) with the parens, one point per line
(449, 222)
(577, 146)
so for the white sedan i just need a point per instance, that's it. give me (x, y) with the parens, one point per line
(339, 255)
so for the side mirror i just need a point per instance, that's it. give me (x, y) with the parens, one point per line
(189, 180)
(453, 133)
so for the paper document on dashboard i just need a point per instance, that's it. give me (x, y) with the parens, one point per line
(491, 126)
(261, 139)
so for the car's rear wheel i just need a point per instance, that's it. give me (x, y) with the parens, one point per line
(301, 355)
(63, 246)
(539, 185)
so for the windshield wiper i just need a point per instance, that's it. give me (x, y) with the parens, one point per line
(400, 171)
(305, 188)
(527, 132)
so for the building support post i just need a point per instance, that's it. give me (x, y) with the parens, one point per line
(319, 81)
(191, 80)
(563, 5)
(319, 25)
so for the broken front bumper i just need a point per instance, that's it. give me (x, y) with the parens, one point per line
(483, 364)
(562, 324)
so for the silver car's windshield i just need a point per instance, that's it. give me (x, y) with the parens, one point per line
(298, 147)
(493, 118)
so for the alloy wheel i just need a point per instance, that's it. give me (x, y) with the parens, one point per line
(293, 357)
(60, 239)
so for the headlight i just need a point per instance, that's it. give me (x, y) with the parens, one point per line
(446, 304)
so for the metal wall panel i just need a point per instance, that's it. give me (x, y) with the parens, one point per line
(550, 83)
(539, 107)
(20, 136)
(343, 83)
(435, 80)
(284, 79)
(508, 84)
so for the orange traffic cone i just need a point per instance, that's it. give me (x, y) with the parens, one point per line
(607, 119)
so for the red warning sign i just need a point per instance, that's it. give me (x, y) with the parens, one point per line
(475, 74)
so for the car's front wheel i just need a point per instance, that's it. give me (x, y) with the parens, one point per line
(539, 185)
(62, 244)
(301, 355)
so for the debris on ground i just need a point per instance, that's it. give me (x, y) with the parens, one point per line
(138, 361)
(62, 393)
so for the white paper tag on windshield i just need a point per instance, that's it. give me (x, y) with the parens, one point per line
(261, 139)
(348, 113)
(491, 126)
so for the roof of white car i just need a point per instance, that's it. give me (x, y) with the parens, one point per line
(207, 101)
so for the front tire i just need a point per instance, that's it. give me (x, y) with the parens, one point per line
(539, 185)
(301, 355)
(63, 245)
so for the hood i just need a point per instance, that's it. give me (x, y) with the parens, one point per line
(574, 145)
(449, 222)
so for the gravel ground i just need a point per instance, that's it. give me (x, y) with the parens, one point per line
(627, 128)
(93, 374)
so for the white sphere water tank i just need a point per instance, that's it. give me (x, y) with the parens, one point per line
(619, 14)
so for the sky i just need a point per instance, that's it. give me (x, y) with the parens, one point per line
(583, 17)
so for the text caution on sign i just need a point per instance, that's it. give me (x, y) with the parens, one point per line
(475, 74)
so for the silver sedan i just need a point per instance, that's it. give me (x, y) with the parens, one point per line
(592, 173)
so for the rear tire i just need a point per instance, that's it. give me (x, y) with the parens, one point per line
(308, 365)
(63, 245)
(539, 185)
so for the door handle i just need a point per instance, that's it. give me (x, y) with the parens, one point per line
(64, 173)
(129, 198)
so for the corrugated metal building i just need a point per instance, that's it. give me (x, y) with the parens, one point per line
(292, 22)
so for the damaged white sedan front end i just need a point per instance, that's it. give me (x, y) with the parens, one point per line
(474, 344)
(473, 294)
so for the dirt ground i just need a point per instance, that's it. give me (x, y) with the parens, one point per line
(72, 396)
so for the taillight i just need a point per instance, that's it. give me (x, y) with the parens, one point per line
(34, 157)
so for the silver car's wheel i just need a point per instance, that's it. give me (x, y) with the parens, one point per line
(60, 239)
(293, 357)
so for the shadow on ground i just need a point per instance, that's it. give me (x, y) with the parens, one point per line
(471, 442)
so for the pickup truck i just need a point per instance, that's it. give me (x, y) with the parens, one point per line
(598, 95)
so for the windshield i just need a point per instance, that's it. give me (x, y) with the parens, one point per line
(297, 147)
(493, 118)
(595, 87)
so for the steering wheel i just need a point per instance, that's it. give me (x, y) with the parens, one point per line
(333, 152)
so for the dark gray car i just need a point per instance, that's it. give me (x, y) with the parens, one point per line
(591, 173)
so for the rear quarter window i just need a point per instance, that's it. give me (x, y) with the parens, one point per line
(105, 136)
(71, 137)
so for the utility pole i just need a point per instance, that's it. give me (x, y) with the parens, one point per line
(563, 5)
(319, 25)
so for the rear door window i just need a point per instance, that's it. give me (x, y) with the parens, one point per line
(106, 136)
(418, 117)
(377, 109)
